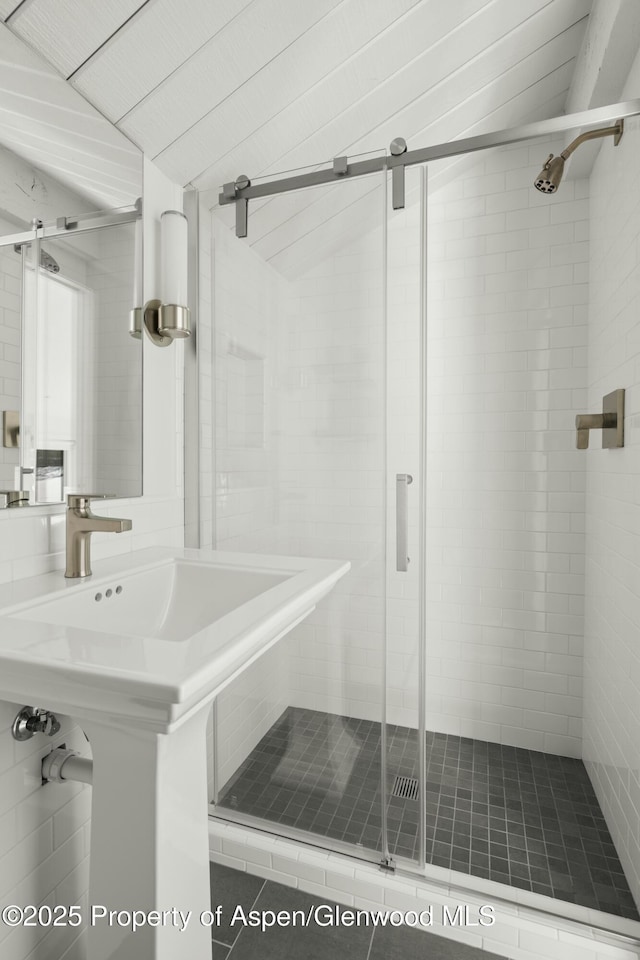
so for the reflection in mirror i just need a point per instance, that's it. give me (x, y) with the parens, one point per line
(82, 421)
(70, 373)
(10, 301)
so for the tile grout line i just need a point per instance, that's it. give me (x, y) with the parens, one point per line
(373, 933)
(257, 897)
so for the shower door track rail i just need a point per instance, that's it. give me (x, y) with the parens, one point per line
(71, 226)
(242, 190)
(405, 869)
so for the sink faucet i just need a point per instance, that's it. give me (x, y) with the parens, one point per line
(81, 523)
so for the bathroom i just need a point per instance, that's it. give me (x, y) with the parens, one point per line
(401, 352)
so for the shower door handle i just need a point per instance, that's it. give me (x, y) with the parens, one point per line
(402, 521)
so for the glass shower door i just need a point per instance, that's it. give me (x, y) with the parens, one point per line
(403, 731)
(300, 470)
(318, 453)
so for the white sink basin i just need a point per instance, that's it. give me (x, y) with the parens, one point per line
(171, 601)
(136, 654)
(159, 629)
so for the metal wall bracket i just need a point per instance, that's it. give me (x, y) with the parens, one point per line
(242, 217)
(151, 320)
(617, 137)
(396, 149)
(397, 188)
(231, 193)
(242, 205)
(388, 864)
(341, 166)
(64, 223)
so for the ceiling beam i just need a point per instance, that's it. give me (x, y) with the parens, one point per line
(608, 50)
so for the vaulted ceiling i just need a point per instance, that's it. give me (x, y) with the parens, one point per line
(210, 89)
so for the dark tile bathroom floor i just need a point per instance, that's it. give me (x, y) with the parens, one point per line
(516, 816)
(232, 888)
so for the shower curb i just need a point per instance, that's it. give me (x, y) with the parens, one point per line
(524, 931)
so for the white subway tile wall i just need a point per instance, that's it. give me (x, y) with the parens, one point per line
(505, 487)
(332, 470)
(612, 647)
(241, 354)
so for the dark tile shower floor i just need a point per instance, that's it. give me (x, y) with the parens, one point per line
(516, 816)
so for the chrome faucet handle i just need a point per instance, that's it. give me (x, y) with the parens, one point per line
(80, 501)
(81, 524)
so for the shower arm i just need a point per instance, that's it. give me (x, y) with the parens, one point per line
(615, 132)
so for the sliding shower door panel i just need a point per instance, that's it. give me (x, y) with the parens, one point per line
(403, 777)
(300, 351)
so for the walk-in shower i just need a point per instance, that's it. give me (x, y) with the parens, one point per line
(434, 716)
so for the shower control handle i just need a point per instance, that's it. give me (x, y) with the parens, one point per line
(610, 421)
(402, 521)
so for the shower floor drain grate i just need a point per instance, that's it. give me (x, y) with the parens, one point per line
(406, 788)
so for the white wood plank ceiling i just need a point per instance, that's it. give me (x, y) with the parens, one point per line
(213, 89)
(53, 128)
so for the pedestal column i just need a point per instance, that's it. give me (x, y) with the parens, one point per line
(149, 840)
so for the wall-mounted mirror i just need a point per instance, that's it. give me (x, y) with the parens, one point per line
(70, 370)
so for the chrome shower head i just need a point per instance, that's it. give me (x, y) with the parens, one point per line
(48, 263)
(548, 180)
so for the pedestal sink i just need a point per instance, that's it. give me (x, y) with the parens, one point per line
(136, 654)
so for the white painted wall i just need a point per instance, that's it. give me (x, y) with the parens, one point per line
(612, 650)
(44, 831)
